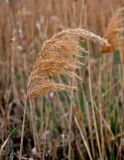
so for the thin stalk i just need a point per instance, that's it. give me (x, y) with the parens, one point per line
(89, 123)
(82, 136)
(70, 120)
(100, 111)
(81, 14)
(33, 122)
(70, 114)
(93, 112)
(23, 126)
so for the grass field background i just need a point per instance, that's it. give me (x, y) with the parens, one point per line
(96, 130)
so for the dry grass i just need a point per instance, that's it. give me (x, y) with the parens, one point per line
(84, 120)
(114, 33)
(59, 55)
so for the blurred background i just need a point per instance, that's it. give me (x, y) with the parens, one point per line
(99, 103)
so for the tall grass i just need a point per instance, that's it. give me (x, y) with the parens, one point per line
(60, 56)
(85, 119)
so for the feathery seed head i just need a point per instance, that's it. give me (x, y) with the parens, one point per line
(60, 55)
(114, 33)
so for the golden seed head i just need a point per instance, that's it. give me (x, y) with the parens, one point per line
(114, 33)
(58, 56)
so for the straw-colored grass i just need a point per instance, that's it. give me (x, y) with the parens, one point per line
(114, 33)
(79, 111)
(59, 55)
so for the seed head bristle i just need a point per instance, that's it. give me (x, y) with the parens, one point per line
(45, 87)
(60, 55)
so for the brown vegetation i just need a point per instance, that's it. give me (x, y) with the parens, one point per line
(114, 33)
(59, 55)
(84, 120)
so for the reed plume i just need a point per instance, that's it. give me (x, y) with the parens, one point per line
(115, 33)
(60, 55)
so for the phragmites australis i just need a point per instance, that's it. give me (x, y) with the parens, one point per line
(60, 55)
(115, 34)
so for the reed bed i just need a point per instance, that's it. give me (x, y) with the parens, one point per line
(74, 87)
